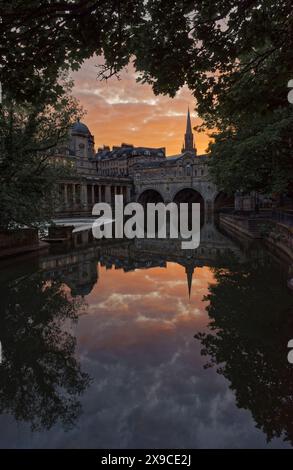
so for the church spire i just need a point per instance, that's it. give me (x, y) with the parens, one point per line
(188, 124)
(188, 137)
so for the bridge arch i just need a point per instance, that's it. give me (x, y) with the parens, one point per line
(190, 195)
(150, 195)
(222, 201)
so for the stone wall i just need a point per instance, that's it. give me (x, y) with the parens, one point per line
(18, 238)
(281, 236)
(277, 235)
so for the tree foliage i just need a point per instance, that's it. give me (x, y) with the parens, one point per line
(247, 339)
(40, 379)
(236, 57)
(28, 175)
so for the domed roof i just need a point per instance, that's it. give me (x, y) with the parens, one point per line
(80, 128)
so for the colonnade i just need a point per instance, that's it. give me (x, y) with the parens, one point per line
(80, 196)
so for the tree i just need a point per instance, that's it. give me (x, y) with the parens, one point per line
(40, 379)
(235, 56)
(28, 176)
(247, 339)
(39, 37)
(253, 146)
(199, 42)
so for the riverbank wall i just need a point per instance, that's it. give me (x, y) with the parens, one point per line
(277, 235)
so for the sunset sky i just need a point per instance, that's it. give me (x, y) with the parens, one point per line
(125, 111)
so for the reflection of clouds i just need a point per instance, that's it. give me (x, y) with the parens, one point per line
(123, 300)
(150, 389)
(152, 296)
(174, 283)
(123, 110)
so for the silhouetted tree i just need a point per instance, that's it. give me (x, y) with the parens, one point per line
(236, 57)
(29, 131)
(251, 313)
(40, 378)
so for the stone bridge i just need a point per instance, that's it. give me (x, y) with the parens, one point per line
(179, 179)
(140, 174)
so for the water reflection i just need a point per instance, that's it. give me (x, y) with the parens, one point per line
(135, 339)
(76, 263)
(251, 315)
(40, 378)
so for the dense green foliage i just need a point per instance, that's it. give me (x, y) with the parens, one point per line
(247, 340)
(28, 132)
(41, 380)
(235, 56)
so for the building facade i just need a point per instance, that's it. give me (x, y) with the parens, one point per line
(83, 187)
(140, 174)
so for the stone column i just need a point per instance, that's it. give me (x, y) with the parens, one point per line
(100, 193)
(93, 194)
(83, 191)
(128, 194)
(65, 195)
(78, 194)
(108, 194)
(124, 194)
(208, 211)
(208, 206)
(113, 192)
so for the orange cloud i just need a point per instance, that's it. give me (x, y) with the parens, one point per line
(125, 111)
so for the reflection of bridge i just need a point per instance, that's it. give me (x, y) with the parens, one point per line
(76, 268)
(77, 264)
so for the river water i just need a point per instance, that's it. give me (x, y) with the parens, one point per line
(139, 344)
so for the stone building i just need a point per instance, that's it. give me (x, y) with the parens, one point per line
(140, 174)
(121, 161)
(178, 178)
(83, 187)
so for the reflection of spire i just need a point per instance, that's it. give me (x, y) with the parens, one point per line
(189, 272)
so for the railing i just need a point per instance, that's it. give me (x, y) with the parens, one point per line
(282, 235)
(285, 218)
(225, 210)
